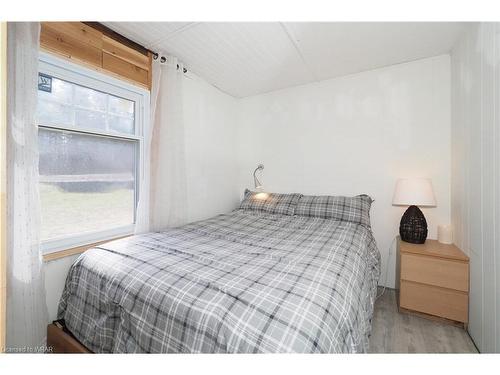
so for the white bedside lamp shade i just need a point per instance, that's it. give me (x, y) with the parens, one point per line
(414, 191)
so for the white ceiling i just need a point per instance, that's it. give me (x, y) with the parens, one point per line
(244, 59)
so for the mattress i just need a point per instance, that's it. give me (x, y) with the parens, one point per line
(243, 282)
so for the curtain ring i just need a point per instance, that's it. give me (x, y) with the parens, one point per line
(184, 70)
(163, 59)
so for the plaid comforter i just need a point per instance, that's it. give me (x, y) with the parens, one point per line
(242, 282)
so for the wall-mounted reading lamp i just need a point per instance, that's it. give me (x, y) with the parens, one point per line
(257, 183)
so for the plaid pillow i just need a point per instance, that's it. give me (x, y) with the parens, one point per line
(273, 203)
(354, 209)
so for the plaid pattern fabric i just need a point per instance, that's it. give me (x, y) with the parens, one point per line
(353, 209)
(246, 282)
(273, 203)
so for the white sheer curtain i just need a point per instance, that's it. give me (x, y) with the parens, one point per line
(143, 210)
(26, 307)
(164, 203)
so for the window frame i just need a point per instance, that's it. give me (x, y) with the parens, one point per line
(80, 75)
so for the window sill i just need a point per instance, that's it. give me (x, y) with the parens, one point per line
(76, 250)
(87, 240)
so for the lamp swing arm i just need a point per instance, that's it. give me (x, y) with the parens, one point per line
(256, 181)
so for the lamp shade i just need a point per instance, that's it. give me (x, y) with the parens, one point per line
(414, 191)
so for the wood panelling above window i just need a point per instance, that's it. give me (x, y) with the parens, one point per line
(72, 40)
(92, 47)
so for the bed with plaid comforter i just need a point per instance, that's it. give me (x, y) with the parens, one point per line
(245, 282)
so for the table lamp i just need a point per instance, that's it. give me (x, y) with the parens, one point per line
(413, 192)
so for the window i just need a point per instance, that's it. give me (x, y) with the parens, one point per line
(90, 144)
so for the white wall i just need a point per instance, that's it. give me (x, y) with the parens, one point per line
(212, 170)
(355, 134)
(475, 176)
(55, 277)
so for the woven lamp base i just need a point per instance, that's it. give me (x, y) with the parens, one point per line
(413, 226)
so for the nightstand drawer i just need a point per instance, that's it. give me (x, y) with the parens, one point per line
(433, 300)
(434, 271)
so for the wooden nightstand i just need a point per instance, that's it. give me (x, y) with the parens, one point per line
(433, 280)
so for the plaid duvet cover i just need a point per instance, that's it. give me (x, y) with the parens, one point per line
(245, 282)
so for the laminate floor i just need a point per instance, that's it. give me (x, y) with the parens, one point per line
(395, 332)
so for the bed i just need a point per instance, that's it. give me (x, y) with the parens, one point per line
(249, 281)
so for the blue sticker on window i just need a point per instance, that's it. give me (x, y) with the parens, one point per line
(44, 82)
